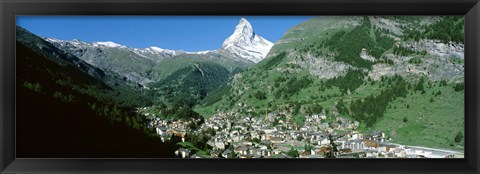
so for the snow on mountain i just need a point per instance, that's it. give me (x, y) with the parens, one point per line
(74, 42)
(156, 53)
(202, 52)
(153, 53)
(107, 44)
(161, 50)
(242, 45)
(246, 44)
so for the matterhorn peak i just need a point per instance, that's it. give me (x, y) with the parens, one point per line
(244, 21)
(246, 44)
(244, 27)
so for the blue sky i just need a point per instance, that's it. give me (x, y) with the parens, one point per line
(189, 33)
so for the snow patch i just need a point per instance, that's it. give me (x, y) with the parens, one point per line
(52, 39)
(161, 50)
(204, 52)
(107, 44)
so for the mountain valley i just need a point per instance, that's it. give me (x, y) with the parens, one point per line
(326, 81)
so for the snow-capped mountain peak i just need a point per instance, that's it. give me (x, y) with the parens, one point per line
(246, 44)
(244, 28)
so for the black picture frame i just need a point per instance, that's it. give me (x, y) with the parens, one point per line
(10, 8)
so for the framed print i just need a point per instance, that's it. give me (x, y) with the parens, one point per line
(239, 87)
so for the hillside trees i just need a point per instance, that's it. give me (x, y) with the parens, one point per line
(349, 82)
(371, 108)
(349, 44)
(448, 29)
(291, 86)
(202, 83)
(458, 137)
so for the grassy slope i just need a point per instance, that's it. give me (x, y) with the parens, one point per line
(314, 30)
(170, 65)
(431, 124)
(441, 120)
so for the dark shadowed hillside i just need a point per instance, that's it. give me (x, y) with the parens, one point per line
(59, 115)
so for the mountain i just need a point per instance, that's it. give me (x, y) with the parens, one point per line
(378, 70)
(131, 63)
(175, 78)
(64, 58)
(145, 65)
(38, 44)
(246, 44)
(191, 84)
(68, 111)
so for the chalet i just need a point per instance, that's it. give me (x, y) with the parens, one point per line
(323, 141)
(276, 151)
(275, 139)
(242, 150)
(182, 152)
(346, 150)
(236, 138)
(161, 130)
(371, 143)
(323, 126)
(219, 145)
(335, 125)
(227, 153)
(305, 153)
(254, 134)
(378, 134)
(323, 150)
(390, 148)
(262, 147)
(354, 145)
(251, 149)
(371, 154)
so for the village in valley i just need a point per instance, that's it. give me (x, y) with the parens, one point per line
(275, 135)
(323, 87)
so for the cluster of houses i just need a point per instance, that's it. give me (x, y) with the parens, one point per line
(253, 137)
(244, 136)
(167, 129)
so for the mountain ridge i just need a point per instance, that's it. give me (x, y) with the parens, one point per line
(139, 64)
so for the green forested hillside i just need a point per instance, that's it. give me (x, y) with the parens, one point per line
(368, 69)
(178, 93)
(448, 29)
(195, 81)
